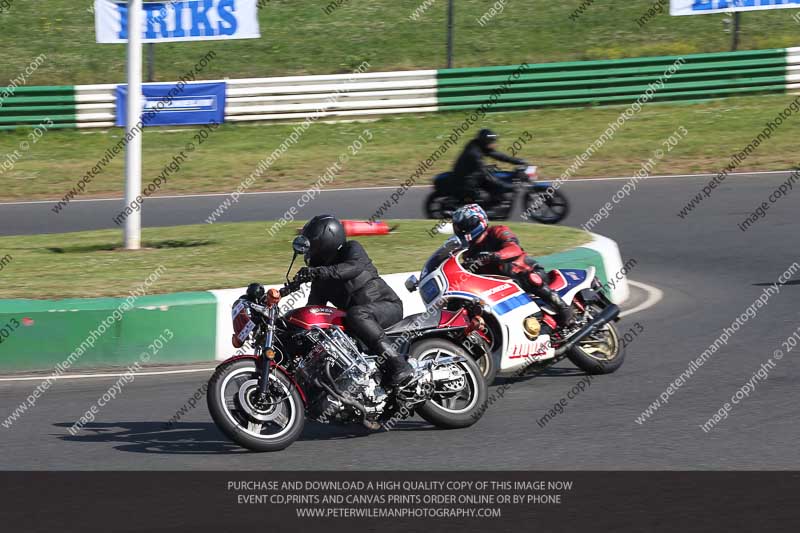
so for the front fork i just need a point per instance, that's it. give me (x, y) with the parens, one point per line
(267, 356)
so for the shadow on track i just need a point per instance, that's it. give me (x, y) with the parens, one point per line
(200, 438)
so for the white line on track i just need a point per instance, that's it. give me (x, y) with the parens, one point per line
(108, 375)
(654, 295)
(348, 189)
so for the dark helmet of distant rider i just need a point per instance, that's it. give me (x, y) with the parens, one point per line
(326, 236)
(487, 140)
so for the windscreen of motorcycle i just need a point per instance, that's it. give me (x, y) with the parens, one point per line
(438, 257)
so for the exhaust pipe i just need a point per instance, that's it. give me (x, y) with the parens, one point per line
(607, 315)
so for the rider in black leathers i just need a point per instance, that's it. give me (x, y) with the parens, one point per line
(471, 181)
(342, 273)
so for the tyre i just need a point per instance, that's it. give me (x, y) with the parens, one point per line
(452, 411)
(437, 206)
(540, 206)
(487, 364)
(262, 428)
(599, 353)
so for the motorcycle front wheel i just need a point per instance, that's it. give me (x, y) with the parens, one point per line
(540, 206)
(259, 426)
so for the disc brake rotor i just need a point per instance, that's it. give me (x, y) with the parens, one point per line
(273, 410)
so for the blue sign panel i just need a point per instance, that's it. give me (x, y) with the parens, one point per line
(177, 104)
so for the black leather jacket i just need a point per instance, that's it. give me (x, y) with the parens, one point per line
(351, 280)
(470, 162)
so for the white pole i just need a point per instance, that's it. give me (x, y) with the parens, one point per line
(133, 152)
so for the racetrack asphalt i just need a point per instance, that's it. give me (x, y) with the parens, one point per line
(709, 272)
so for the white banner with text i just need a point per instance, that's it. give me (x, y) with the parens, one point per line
(707, 7)
(179, 20)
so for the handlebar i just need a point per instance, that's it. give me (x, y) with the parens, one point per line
(290, 287)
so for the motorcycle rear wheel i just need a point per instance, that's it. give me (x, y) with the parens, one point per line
(460, 411)
(262, 429)
(600, 353)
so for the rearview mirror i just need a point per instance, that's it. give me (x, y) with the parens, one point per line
(411, 283)
(301, 245)
(453, 243)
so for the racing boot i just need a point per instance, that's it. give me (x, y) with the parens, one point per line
(398, 371)
(564, 315)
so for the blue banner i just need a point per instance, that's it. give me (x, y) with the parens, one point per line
(177, 104)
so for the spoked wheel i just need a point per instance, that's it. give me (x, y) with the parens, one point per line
(541, 206)
(262, 426)
(457, 403)
(439, 206)
(599, 353)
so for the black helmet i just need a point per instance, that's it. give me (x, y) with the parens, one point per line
(255, 293)
(486, 137)
(325, 235)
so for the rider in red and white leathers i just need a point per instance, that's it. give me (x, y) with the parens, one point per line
(496, 250)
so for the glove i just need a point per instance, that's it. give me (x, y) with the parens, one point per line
(307, 274)
(485, 258)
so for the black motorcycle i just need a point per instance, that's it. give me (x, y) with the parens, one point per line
(538, 204)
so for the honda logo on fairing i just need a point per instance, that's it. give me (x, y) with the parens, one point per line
(500, 288)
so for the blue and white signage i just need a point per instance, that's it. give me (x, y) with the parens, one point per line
(705, 7)
(177, 104)
(179, 20)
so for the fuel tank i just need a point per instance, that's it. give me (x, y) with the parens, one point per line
(316, 316)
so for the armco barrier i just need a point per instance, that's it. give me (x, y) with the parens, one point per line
(575, 83)
(50, 331)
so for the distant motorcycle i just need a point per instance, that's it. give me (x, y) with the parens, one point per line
(521, 330)
(307, 365)
(538, 204)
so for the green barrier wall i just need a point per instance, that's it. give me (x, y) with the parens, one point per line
(622, 81)
(50, 331)
(30, 106)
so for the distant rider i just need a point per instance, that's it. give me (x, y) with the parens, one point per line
(342, 273)
(471, 180)
(498, 251)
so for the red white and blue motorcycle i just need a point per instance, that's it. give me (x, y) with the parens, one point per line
(520, 329)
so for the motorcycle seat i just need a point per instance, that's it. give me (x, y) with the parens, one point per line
(556, 280)
(415, 321)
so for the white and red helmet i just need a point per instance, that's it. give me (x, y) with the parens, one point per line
(469, 223)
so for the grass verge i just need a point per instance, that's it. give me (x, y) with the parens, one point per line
(302, 38)
(201, 257)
